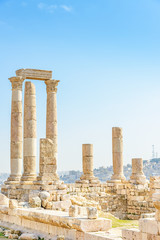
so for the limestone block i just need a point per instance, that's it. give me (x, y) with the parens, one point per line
(35, 202)
(65, 197)
(13, 236)
(28, 236)
(92, 213)
(34, 74)
(148, 225)
(44, 195)
(49, 205)
(4, 200)
(73, 211)
(13, 203)
(61, 237)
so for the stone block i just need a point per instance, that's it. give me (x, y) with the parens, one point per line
(73, 211)
(35, 202)
(44, 195)
(92, 213)
(13, 203)
(28, 236)
(34, 74)
(148, 225)
(4, 200)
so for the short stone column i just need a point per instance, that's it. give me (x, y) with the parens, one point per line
(51, 118)
(29, 144)
(87, 162)
(16, 130)
(137, 176)
(117, 154)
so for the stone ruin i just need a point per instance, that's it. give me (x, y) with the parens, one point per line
(26, 200)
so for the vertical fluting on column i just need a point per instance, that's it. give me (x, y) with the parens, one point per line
(51, 116)
(117, 153)
(29, 141)
(137, 171)
(16, 129)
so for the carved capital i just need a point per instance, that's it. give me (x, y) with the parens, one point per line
(51, 85)
(16, 83)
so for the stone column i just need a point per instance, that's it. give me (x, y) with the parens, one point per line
(51, 118)
(117, 153)
(16, 130)
(87, 162)
(137, 171)
(29, 144)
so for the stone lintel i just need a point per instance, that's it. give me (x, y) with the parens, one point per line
(35, 74)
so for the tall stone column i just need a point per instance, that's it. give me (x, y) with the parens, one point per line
(16, 130)
(87, 162)
(137, 176)
(51, 119)
(117, 154)
(29, 144)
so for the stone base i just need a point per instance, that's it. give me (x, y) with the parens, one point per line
(22, 190)
(118, 177)
(12, 179)
(137, 179)
(87, 179)
(26, 179)
(50, 177)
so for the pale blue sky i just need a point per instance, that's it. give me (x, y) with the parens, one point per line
(106, 54)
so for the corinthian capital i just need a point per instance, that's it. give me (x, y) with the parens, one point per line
(16, 83)
(51, 85)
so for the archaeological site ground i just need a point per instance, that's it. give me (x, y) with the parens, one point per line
(43, 207)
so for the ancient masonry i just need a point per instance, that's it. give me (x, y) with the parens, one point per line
(27, 198)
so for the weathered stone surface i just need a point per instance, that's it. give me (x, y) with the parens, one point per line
(28, 236)
(48, 161)
(44, 195)
(35, 202)
(34, 74)
(73, 211)
(16, 129)
(92, 213)
(61, 237)
(29, 143)
(117, 152)
(13, 203)
(4, 200)
(87, 162)
(137, 176)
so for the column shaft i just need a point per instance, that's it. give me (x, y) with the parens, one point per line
(87, 162)
(51, 118)
(137, 171)
(16, 129)
(117, 153)
(29, 144)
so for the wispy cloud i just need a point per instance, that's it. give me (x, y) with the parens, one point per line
(66, 8)
(51, 8)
